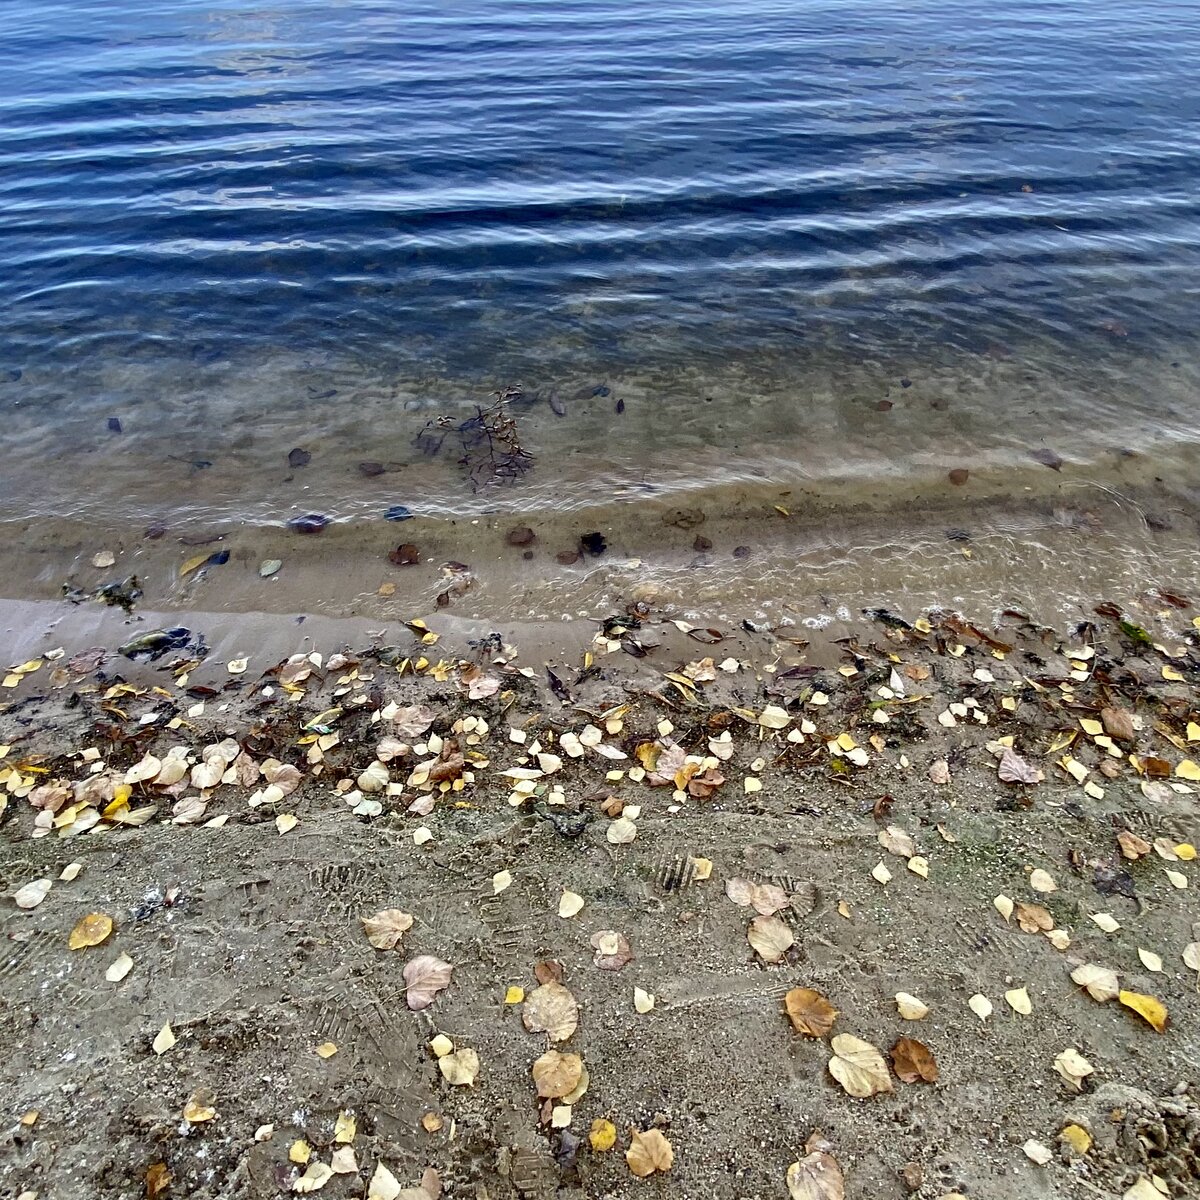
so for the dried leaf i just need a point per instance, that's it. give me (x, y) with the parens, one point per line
(557, 1074)
(90, 931)
(643, 1001)
(1013, 768)
(387, 927)
(158, 1179)
(425, 976)
(317, 1175)
(910, 1008)
(121, 966)
(1018, 1001)
(913, 1061)
(980, 1005)
(1073, 1067)
(32, 894)
(552, 1010)
(896, 841)
(1150, 960)
(1132, 846)
(649, 1152)
(460, 1067)
(1100, 983)
(858, 1066)
(570, 904)
(810, 1012)
(163, 1040)
(1033, 918)
(817, 1176)
(1148, 1008)
(770, 937)
(612, 950)
(1003, 905)
(1036, 1152)
(1042, 881)
(412, 720)
(603, 1135)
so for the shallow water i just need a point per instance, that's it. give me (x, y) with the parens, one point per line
(823, 246)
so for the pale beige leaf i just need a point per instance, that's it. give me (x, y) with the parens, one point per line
(557, 1074)
(552, 1010)
(1106, 921)
(163, 1040)
(1036, 1152)
(649, 1152)
(1003, 905)
(880, 873)
(501, 881)
(387, 927)
(643, 1001)
(1018, 1001)
(460, 1067)
(910, 1008)
(1042, 881)
(1099, 982)
(817, 1176)
(425, 976)
(121, 966)
(570, 904)
(32, 894)
(858, 1066)
(315, 1177)
(1073, 1067)
(343, 1162)
(894, 840)
(980, 1005)
(770, 937)
(1150, 960)
(1191, 956)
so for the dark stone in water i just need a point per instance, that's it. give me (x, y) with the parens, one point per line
(620, 407)
(321, 393)
(601, 390)
(155, 643)
(522, 535)
(741, 552)
(398, 512)
(556, 405)
(114, 424)
(405, 555)
(906, 383)
(567, 557)
(593, 543)
(299, 457)
(371, 469)
(702, 543)
(309, 523)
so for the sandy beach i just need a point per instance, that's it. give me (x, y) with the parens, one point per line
(607, 860)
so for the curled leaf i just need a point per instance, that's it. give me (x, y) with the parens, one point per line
(425, 976)
(913, 1061)
(649, 1152)
(770, 937)
(1153, 1011)
(858, 1066)
(386, 928)
(557, 1074)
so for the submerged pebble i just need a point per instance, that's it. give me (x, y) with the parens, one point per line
(309, 523)
(398, 512)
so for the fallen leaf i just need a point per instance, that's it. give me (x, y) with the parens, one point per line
(1033, 918)
(32, 894)
(1150, 960)
(1147, 1007)
(910, 1008)
(896, 841)
(980, 1005)
(1191, 956)
(621, 832)
(345, 1128)
(1106, 921)
(1073, 1067)
(343, 1162)
(90, 931)
(770, 937)
(1142, 1189)
(286, 822)
(612, 950)
(501, 881)
(199, 1107)
(1099, 982)
(163, 1040)
(1012, 768)
(570, 904)
(327, 1049)
(460, 1067)
(1077, 1138)
(1018, 1001)
(603, 1135)
(880, 873)
(1042, 881)
(1003, 905)
(158, 1178)
(810, 1012)
(425, 976)
(387, 927)
(643, 1001)
(649, 1152)
(817, 1176)
(121, 966)
(913, 1061)
(557, 1074)
(858, 1066)
(552, 1010)
(314, 1178)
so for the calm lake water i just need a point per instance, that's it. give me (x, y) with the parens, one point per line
(812, 242)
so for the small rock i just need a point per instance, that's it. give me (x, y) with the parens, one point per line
(398, 512)
(567, 557)
(593, 543)
(299, 457)
(683, 518)
(309, 523)
(405, 555)
(114, 424)
(958, 476)
(522, 535)
(370, 469)
(701, 544)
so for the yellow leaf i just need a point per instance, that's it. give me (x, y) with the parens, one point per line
(1147, 1007)
(345, 1127)
(193, 563)
(199, 1108)
(300, 1151)
(1193, 732)
(1185, 851)
(514, 995)
(164, 1040)
(1077, 1138)
(285, 822)
(1188, 770)
(91, 931)
(1172, 675)
(603, 1135)
(327, 1050)
(1090, 727)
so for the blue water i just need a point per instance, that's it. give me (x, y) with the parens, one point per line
(589, 187)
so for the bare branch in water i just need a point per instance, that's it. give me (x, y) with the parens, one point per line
(490, 442)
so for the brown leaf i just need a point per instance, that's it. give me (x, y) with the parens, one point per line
(959, 476)
(549, 970)
(1032, 918)
(90, 931)
(405, 555)
(557, 1074)
(612, 950)
(425, 976)
(1132, 846)
(158, 1179)
(770, 937)
(649, 1152)
(1014, 769)
(810, 1012)
(412, 720)
(387, 927)
(1118, 724)
(913, 1061)
(552, 1010)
